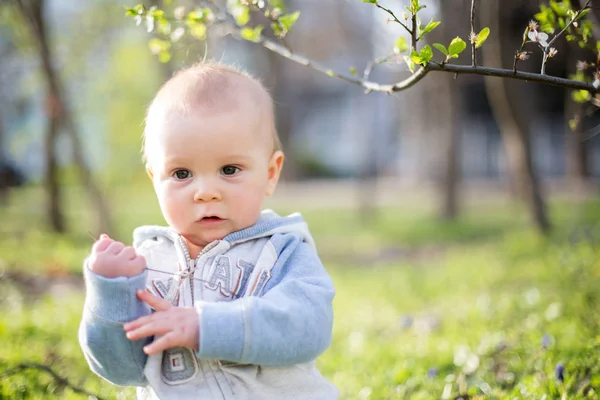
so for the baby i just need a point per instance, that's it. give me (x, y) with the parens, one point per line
(228, 301)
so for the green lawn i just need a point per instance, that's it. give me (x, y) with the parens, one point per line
(482, 307)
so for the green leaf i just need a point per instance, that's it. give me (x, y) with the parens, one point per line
(164, 56)
(430, 26)
(426, 54)
(581, 96)
(157, 45)
(583, 14)
(457, 46)
(353, 71)
(252, 34)
(370, 1)
(289, 20)
(423, 57)
(240, 13)
(482, 36)
(400, 46)
(276, 29)
(560, 7)
(441, 48)
(197, 30)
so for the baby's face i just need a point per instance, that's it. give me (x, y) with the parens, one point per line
(211, 173)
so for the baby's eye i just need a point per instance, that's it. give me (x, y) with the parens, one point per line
(182, 174)
(229, 170)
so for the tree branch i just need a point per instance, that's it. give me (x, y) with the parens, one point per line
(58, 378)
(507, 73)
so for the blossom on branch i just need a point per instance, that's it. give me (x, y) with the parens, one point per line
(538, 37)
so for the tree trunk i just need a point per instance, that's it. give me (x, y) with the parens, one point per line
(60, 115)
(576, 148)
(514, 132)
(577, 153)
(448, 114)
(51, 180)
(3, 181)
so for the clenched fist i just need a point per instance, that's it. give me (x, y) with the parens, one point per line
(112, 259)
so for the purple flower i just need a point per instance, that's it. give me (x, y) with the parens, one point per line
(559, 371)
(432, 372)
(546, 341)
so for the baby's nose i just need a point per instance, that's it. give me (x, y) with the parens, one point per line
(206, 191)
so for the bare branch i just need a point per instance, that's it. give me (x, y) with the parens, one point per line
(473, 53)
(58, 378)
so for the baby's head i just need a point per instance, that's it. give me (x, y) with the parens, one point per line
(212, 151)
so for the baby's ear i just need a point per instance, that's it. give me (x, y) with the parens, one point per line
(275, 165)
(149, 171)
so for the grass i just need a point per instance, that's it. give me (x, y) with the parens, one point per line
(479, 308)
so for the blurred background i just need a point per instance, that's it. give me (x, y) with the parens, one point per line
(459, 218)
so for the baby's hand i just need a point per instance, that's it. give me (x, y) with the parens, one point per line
(177, 325)
(112, 259)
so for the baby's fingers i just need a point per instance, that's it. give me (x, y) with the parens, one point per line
(101, 244)
(162, 343)
(153, 301)
(147, 326)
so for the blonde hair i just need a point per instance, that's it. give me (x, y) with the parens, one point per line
(210, 86)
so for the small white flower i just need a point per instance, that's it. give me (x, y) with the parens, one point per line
(179, 13)
(552, 52)
(582, 65)
(177, 34)
(473, 37)
(539, 37)
(533, 25)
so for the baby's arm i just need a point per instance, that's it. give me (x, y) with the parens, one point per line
(113, 273)
(291, 323)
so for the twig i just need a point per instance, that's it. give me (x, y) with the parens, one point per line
(60, 379)
(595, 131)
(373, 64)
(518, 53)
(473, 52)
(395, 18)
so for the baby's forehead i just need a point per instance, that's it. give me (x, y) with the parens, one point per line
(191, 92)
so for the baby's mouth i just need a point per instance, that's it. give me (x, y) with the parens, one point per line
(210, 219)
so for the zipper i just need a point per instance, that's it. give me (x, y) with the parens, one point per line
(191, 264)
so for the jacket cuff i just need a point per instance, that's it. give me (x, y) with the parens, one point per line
(114, 299)
(222, 330)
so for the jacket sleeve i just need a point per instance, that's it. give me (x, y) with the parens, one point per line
(290, 323)
(109, 303)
